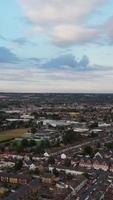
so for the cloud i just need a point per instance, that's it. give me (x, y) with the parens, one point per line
(38, 79)
(20, 41)
(59, 11)
(34, 60)
(64, 73)
(62, 61)
(65, 22)
(7, 56)
(68, 62)
(65, 35)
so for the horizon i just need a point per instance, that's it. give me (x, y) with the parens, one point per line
(68, 93)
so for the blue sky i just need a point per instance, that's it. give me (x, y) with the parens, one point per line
(56, 46)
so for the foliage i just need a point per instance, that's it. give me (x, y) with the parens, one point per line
(110, 145)
(51, 160)
(55, 172)
(18, 165)
(88, 150)
(70, 137)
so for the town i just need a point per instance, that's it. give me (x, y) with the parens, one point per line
(56, 146)
(56, 100)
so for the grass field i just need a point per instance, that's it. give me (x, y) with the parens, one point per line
(10, 134)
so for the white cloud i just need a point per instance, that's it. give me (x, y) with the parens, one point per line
(59, 11)
(60, 18)
(67, 34)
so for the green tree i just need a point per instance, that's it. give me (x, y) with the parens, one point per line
(39, 149)
(67, 162)
(55, 172)
(33, 130)
(109, 146)
(16, 146)
(70, 137)
(32, 143)
(24, 143)
(88, 150)
(47, 143)
(18, 165)
(51, 160)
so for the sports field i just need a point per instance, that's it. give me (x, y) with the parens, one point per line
(10, 134)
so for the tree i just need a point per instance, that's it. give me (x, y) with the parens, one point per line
(67, 162)
(47, 143)
(16, 146)
(109, 146)
(69, 137)
(88, 151)
(18, 165)
(32, 143)
(51, 160)
(98, 145)
(35, 114)
(39, 149)
(58, 142)
(2, 148)
(33, 130)
(55, 172)
(24, 143)
(42, 144)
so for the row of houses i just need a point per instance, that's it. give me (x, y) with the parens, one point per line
(25, 192)
(14, 179)
(98, 162)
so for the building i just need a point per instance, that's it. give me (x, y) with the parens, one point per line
(14, 179)
(25, 192)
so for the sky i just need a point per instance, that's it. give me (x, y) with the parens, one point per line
(56, 46)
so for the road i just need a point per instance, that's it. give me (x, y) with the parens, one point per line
(96, 189)
(77, 147)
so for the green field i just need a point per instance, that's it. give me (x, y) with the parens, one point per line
(10, 134)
